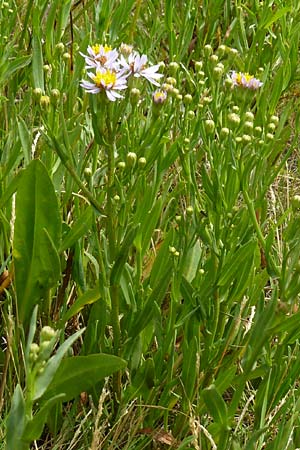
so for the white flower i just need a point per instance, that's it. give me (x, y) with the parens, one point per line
(245, 80)
(106, 80)
(101, 56)
(136, 65)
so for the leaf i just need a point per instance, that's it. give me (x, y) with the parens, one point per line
(80, 227)
(81, 373)
(16, 421)
(216, 405)
(35, 426)
(25, 139)
(121, 259)
(43, 381)
(37, 63)
(37, 228)
(87, 298)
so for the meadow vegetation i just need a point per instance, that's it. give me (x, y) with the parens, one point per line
(149, 225)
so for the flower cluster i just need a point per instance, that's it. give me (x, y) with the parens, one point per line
(245, 80)
(109, 69)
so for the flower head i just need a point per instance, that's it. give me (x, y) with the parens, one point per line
(245, 80)
(101, 56)
(106, 80)
(136, 65)
(159, 96)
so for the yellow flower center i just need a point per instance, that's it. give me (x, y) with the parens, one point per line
(105, 79)
(96, 48)
(240, 76)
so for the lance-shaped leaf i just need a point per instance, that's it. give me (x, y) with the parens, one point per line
(36, 235)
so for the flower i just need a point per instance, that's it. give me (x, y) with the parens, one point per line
(159, 96)
(101, 56)
(106, 80)
(245, 80)
(136, 65)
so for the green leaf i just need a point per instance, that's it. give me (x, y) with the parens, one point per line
(121, 259)
(34, 427)
(16, 421)
(43, 381)
(37, 63)
(25, 139)
(80, 227)
(216, 405)
(81, 373)
(87, 298)
(37, 228)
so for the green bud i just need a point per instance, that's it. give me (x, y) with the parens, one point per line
(131, 159)
(142, 162)
(234, 119)
(274, 119)
(214, 58)
(171, 80)
(208, 49)
(258, 130)
(135, 95)
(190, 114)
(248, 125)
(272, 126)
(198, 65)
(246, 138)
(209, 126)
(189, 210)
(173, 67)
(224, 132)
(187, 99)
(66, 56)
(121, 165)
(47, 333)
(270, 136)
(296, 202)
(116, 198)
(37, 93)
(60, 47)
(218, 72)
(249, 116)
(45, 101)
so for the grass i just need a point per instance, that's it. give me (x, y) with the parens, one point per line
(149, 255)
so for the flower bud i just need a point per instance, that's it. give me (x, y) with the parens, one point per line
(198, 65)
(142, 162)
(47, 68)
(47, 333)
(171, 80)
(218, 72)
(131, 159)
(135, 95)
(66, 56)
(234, 119)
(248, 125)
(121, 165)
(209, 126)
(178, 219)
(60, 47)
(187, 99)
(258, 130)
(249, 116)
(45, 101)
(54, 96)
(214, 59)
(190, 114)
(246, 138)
(37, 93)
(270, 136)
(116, 198)
(221, 50)
(125, 49)
(189, 210)
(224, 132)
(272, 126)
(208, 49)
(296, 202)
(274, 119)
(173, 67)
